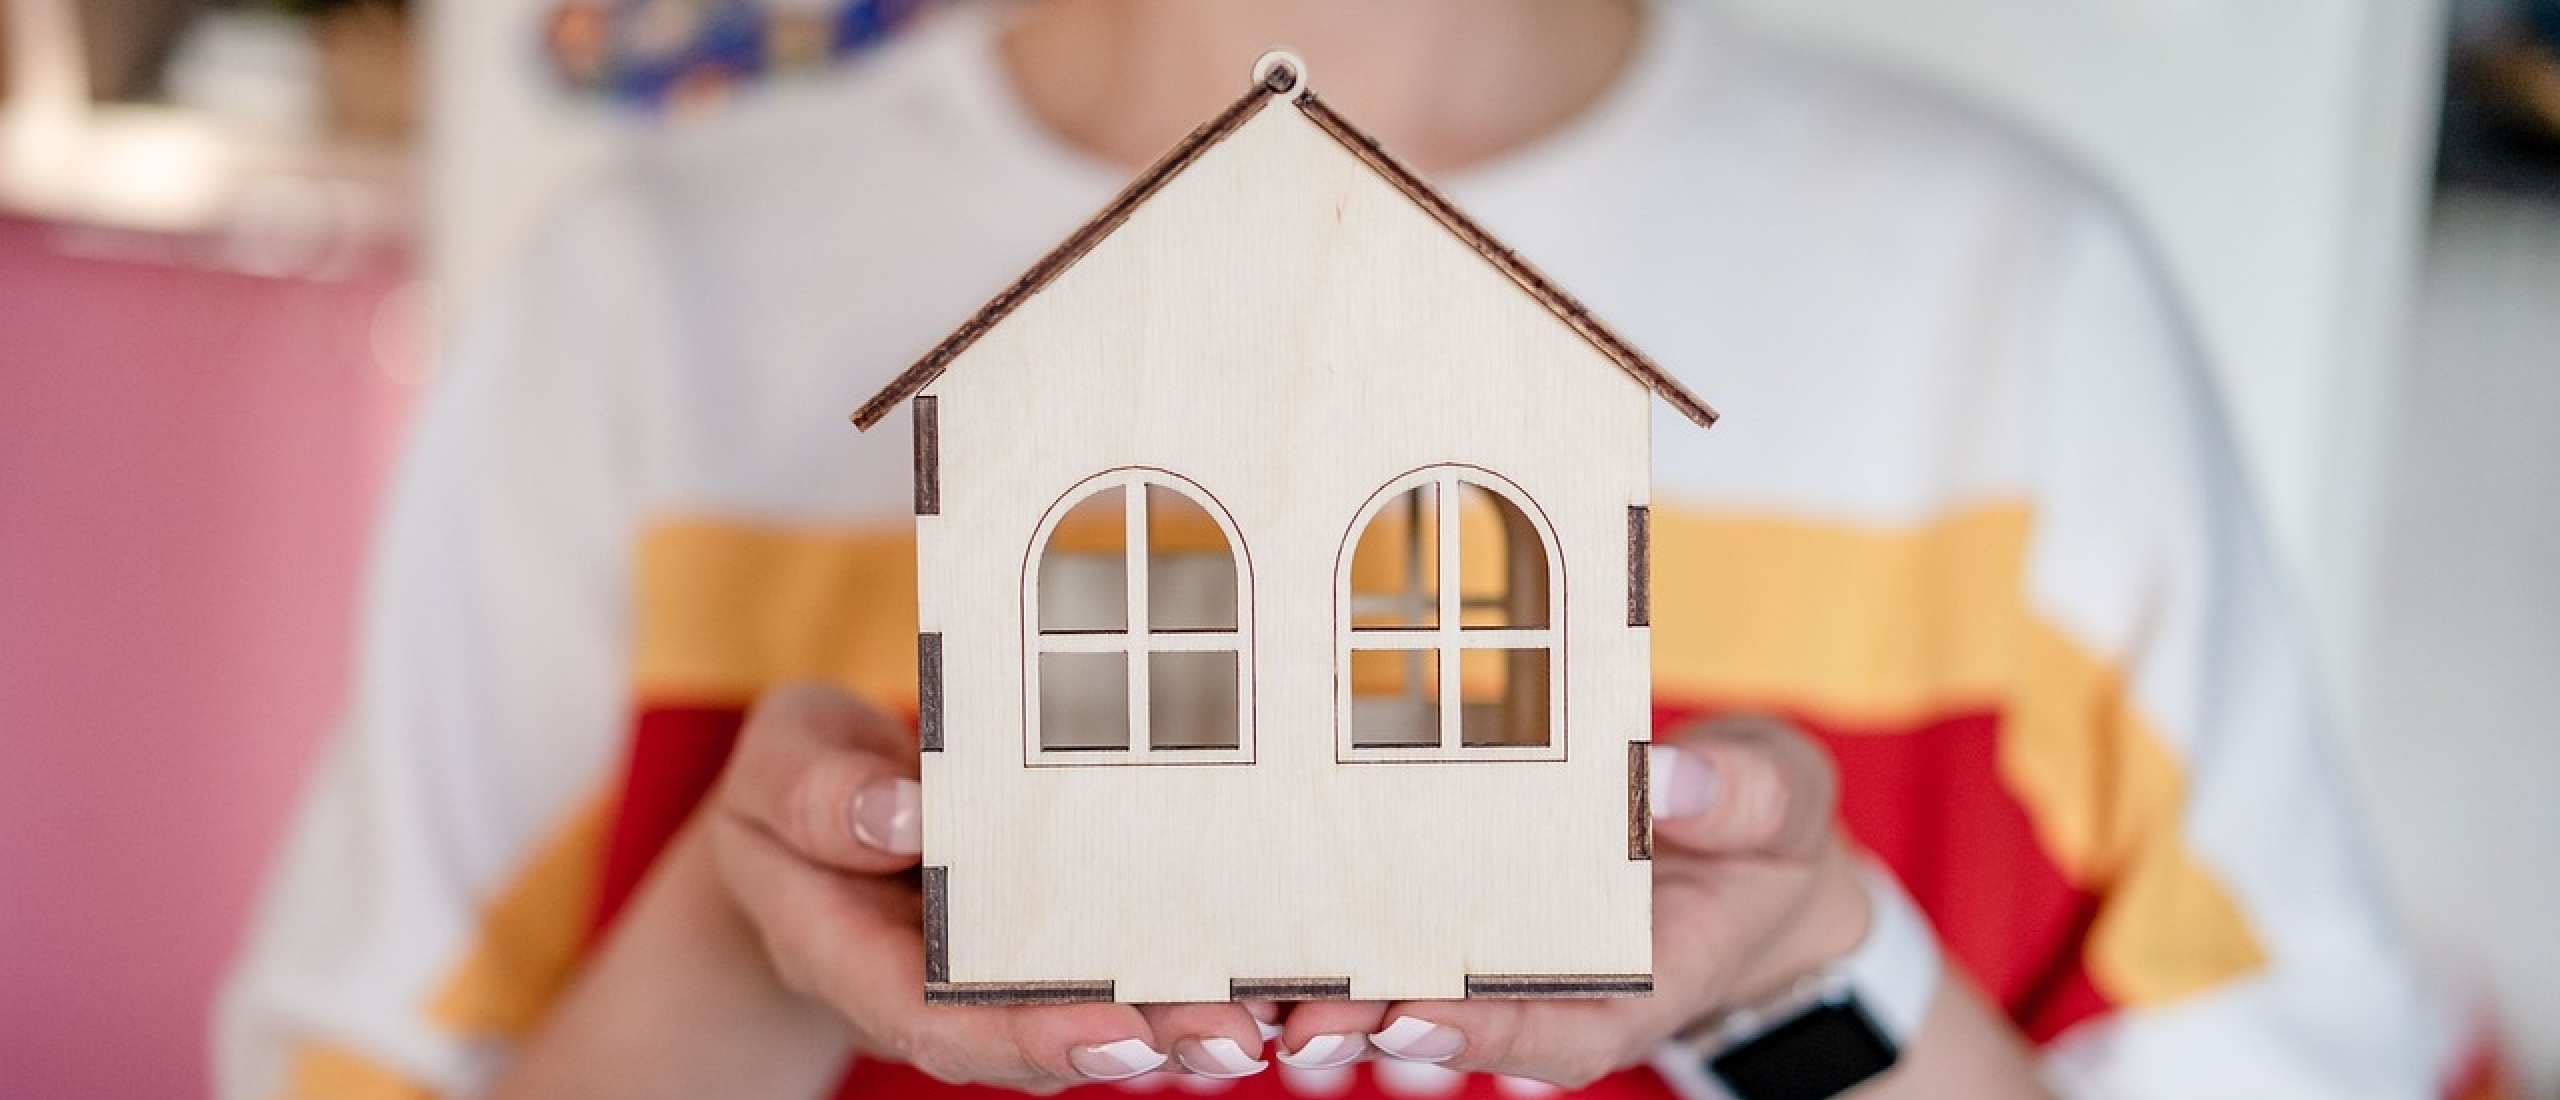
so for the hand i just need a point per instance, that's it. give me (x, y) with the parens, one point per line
(1752, 888)
(815, 819)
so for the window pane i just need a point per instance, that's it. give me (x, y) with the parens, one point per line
(1503, 696)
(1191, 701)
(1502, 566)
(1395, 566)
(1084, 579)
(1191, 572)
(1395, 698)
(1084, 701)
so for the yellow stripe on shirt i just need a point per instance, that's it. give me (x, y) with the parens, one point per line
(529, 938)
(1884, 628)
(728, 608)
(324, 1072)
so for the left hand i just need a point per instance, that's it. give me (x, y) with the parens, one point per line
(1753, 887)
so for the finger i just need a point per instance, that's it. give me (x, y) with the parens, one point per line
(852, 941)
(1568, 1043)
(1037, 1048)
(817, 926)
(1327, 1034)
(1266, 1016)
(831, 778)
(1093, 1042)
(1742, 786)
(872, 970)
(1212, 1040)
(1448, 1032)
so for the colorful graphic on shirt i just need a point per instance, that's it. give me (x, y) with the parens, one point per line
(679, 55)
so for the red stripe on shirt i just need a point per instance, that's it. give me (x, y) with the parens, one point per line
(1929, 802)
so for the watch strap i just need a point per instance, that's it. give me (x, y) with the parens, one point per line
(1896, 968)
(1879, 993)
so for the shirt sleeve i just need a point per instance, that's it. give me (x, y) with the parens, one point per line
(2240, 933)
(489, 689)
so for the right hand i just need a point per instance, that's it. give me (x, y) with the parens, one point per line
(813, 825)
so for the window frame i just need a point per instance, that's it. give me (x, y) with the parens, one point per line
(1139, 641)
(1449, 636)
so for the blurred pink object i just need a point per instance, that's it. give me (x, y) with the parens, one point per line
(188, 466)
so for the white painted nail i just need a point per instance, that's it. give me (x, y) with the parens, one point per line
(1217, 1056)
(1116, 1061)
(1684, 783)
(1326, 1052)
(1415, 1039)
(889, 815)
(1265, 1014)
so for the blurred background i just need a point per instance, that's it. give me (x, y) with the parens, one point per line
(231, 232)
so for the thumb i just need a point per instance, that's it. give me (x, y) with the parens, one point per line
(831, 778)
(1742, 786)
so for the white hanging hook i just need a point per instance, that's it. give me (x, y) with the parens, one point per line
(1280, 73)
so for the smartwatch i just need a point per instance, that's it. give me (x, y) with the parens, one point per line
(1838, 1028)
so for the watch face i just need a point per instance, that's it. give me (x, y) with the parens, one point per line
(1826, 1051)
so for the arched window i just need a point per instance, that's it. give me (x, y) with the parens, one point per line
(1450, 613)
(1138, 627)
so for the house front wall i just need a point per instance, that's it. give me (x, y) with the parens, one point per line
(1286, 331)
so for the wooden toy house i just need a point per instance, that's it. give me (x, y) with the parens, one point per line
(1282, 562)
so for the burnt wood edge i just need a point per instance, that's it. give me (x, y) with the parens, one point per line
(936, 887)
(1565, 306)
(1018, 993)
(928, 456)
(1639, 565)
(1541, 986)
(929, 691)
(1059, 259)
(1640, 800)
(1289, 989)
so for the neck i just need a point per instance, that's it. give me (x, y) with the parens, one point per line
(1447, 84)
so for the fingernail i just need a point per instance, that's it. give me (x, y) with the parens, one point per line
(1415, 1039)
(1264, 1013)
(1326, 1052)
(1684, 783)
(888, 815)
(1217, 1057)
(1116, 1061)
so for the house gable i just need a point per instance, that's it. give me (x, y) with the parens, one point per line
(1279, 84)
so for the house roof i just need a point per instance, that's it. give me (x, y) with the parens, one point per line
(1274, 83)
